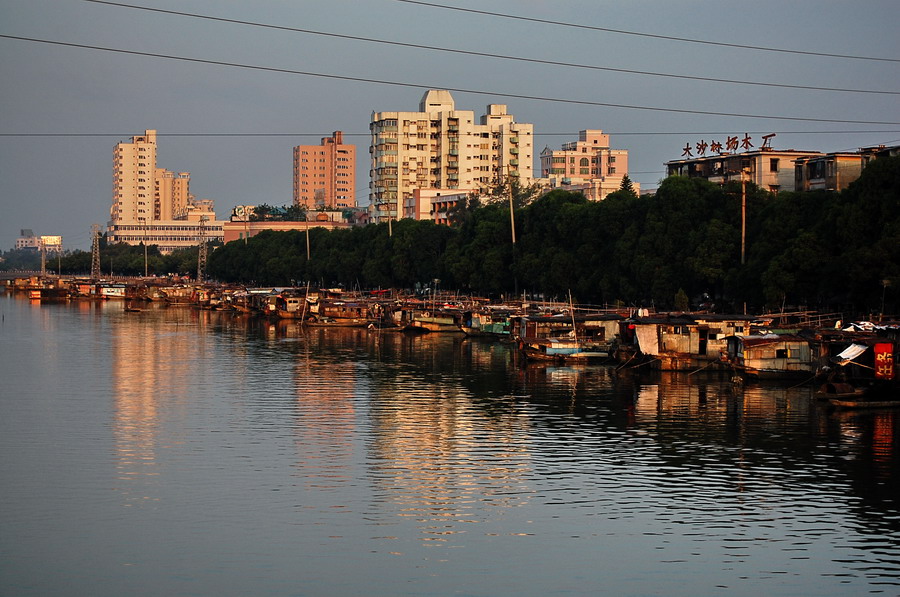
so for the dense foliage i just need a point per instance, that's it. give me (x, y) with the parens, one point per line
(837, 251)
(117, 259)
(829, 251)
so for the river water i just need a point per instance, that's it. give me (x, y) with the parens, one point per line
(179, 452)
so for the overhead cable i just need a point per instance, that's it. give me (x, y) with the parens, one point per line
(650, 35)
(509, 133)
(488, 54)
(455, 89)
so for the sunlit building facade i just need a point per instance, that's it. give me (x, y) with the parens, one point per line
(769, 169)
(153, 205)
(325, 174)
(440, 147)
(588, 166)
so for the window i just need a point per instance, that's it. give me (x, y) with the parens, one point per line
(773, 165)
(584, 162)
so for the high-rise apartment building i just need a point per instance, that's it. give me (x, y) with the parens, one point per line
(325, 175)
(587, 165)
(172, 194)
(153, 205)
(134, 179)
(440, 147)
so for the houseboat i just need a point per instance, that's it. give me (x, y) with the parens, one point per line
(567, 338)
(770, 355)
(687, 342)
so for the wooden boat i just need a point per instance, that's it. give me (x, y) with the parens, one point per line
(770, 355)
(487, 324)
(839, 391)
(567, 338)
(863, 403)
(437, 322)
(563, 350)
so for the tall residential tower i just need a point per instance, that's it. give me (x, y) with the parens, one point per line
(440, 147)
(325, 175)
(153, 205)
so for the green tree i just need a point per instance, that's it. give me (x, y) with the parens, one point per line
(627, 187)
(681, 301)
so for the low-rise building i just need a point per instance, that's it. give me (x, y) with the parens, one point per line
(769, 169)
(436, 204)
(835, 171)
(27, 239)
(242, 227)
(588, 166)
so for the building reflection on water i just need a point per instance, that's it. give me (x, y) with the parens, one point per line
(436, 456)
(442, 429)
(152, 371)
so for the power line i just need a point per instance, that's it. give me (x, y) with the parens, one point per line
(510, 133)
(456, 89)
(650, 35)
(487, 54)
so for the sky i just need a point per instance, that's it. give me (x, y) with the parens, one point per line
(822, 75)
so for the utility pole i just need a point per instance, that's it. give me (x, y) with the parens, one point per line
(95, 252)
(201, 253)
(512, 227)
(743, 217)
(512, 215)
(306, 220)
(144, 242)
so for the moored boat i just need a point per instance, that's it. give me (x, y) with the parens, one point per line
(863, 403)
(839, 391)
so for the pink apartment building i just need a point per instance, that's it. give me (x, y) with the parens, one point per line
(588, 165)
(325, 175)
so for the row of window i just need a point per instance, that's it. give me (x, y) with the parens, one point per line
(583, 171)
(583, 161)
(157, 227)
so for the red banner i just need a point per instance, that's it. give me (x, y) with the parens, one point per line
(884, 361)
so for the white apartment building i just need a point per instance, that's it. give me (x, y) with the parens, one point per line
(588, 166)
(440, 147)
(153, 205)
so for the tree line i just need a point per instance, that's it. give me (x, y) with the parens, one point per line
(680, 247)
(116, 259)
(819, 250)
